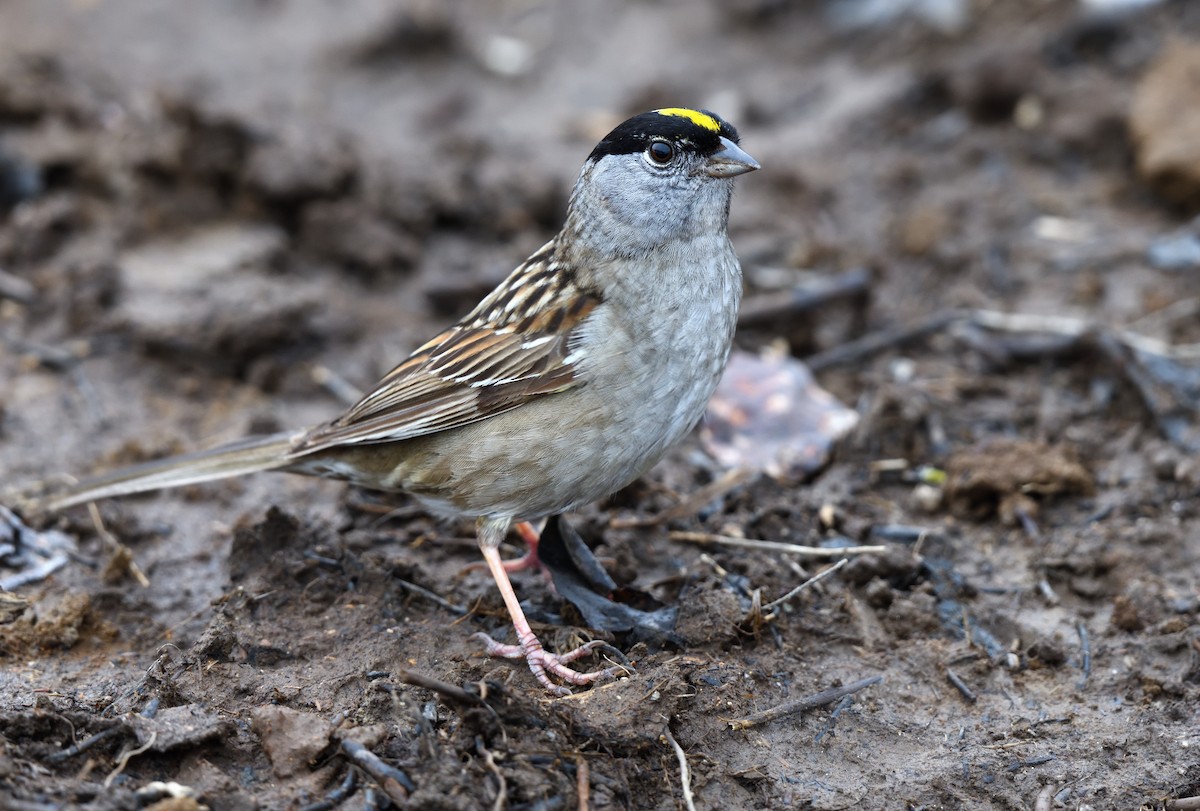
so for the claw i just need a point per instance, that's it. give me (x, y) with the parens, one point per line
(544, 664)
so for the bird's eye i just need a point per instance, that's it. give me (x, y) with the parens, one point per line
(661, 152)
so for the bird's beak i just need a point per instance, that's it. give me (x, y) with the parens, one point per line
(730, 161)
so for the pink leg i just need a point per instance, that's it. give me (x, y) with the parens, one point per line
(528, 647)
(529, 560)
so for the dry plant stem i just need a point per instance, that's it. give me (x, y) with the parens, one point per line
(1045, 798)
(961, 686)
(117, 546)
(1064, 326)
(842, 706)
(801, 705)
(337, 796)
(395, 783)
(774, 546)
(489, 760)
(1184, 804)
(340, 388)
(432, 597)
(86, 743)
(1085, 654)
(1176, 311)
(876, 342)
(806, 584)
(52, 357)
(16, 288)
(123, 761)
(1034, 761)
(769, 308)
(583, 783)
(710, 561)
(693, 503)
(685, 775)
(450, 692)
(1067, 326)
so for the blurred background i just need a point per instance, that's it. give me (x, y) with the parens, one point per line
(975, 218)
(969, 153)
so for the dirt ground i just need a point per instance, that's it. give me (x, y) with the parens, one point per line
(226, 218)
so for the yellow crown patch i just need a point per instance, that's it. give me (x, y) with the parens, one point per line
(695, 116)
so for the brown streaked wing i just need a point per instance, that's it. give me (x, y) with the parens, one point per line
(464, 375)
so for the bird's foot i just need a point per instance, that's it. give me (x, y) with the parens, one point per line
(544, 664)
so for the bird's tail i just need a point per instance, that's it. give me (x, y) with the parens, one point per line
(248, 455)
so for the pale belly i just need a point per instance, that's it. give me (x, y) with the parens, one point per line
(562, 450)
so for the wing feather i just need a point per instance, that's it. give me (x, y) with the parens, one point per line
(494, 360)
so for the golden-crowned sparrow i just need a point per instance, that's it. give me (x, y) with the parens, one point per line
(563, 385)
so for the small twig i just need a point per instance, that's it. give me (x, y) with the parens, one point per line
(757, 618)
(919, 546)
(451, 693)
(1135, 373)
(16, 288)
(804, 704)
(1029, 322)
(774, 546)
(1184, 804)
(709, 560)
(342, 390)
(1045, 798)
(86, 743)
(900, 533)
(1175, 311)
(880, 341)
(52, 357)
(1047, 591)
(1079, 327)
(685, 775)
(489, 760)
(117, 547)
(583, 783)
(338, 796)
(769, 308)
(843, 705)
(1085, 652)
(806, 584)
(1033, 761)
(1028, 524)
(1047, 720)
(961, 686)
(123, 760)
(394, 783)
(693, 503)
(430, 596)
